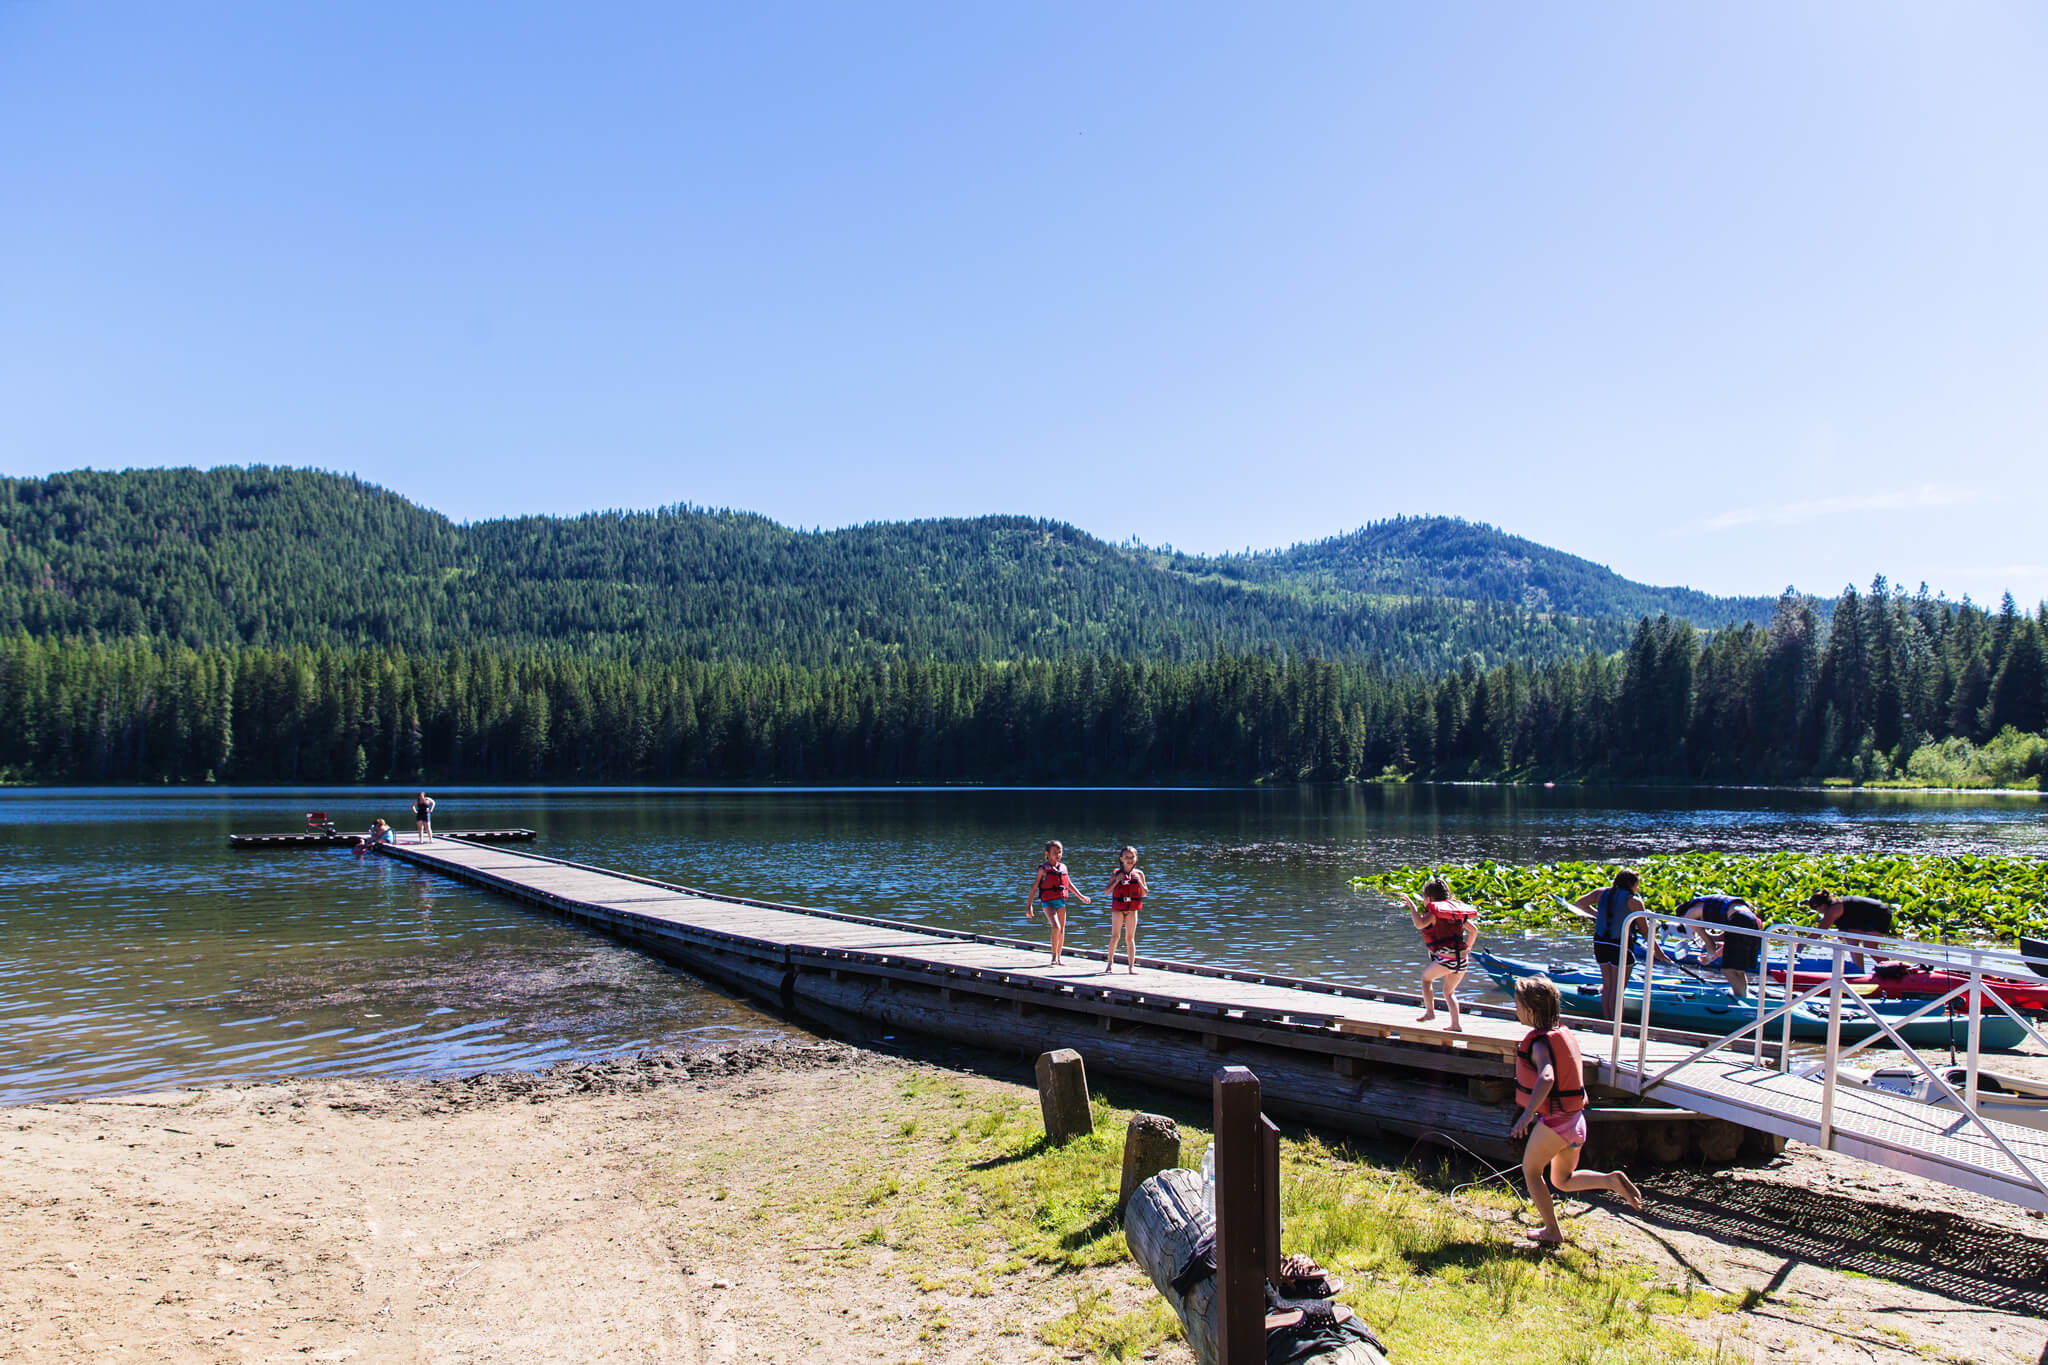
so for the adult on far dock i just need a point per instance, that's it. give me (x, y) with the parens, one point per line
(1860, 919)
(1739, 953)
(423, 817)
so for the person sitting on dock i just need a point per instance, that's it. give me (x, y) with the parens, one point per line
(1053, 888)
(1449, 929)
(1739, 952)
(1550, 1084)
(380, 833)
(1127, 890)
(1609, 909)
(423, 817)
(1859, 919)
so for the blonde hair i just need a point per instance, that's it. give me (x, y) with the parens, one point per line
(1538, 995)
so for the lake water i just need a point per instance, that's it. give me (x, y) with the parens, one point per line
(139, 952)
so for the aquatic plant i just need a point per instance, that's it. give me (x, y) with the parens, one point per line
(1939, 896)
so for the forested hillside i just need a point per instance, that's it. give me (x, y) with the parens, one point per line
(1445, 557)
(278, 557)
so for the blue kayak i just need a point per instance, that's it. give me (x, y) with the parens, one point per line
(1681, 1003)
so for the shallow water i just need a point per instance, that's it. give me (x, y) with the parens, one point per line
(139, 952)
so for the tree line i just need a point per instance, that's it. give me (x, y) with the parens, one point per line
(1799, 698)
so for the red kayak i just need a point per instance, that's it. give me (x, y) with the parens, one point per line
(2021, 995)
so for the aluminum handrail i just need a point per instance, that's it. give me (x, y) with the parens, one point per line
(1836, 986)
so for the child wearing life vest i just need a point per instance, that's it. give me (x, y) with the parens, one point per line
(1550, 1084)
(1449, 929)
(1126, 897)
(1053, 888)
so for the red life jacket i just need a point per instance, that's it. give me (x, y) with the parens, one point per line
(1126, 892)
(1052, 882)
(1568, 1084)
(1447, 929)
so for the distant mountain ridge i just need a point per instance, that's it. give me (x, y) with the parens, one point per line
(277, 556)
(1451, 557)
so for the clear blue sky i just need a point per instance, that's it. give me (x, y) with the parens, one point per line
(1731, 295)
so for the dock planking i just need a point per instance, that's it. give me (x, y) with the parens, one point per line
(343, 839)
(1352, 1057)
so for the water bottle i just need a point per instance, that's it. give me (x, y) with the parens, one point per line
(1209, 1180)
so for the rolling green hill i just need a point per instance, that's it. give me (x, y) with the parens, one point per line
(265, 556)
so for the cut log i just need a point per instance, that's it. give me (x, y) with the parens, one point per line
(1151, 1145)
(1665, 1141)
(1162, 1223)
(1720, 1140)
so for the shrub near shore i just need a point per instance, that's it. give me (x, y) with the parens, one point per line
(1940, 897)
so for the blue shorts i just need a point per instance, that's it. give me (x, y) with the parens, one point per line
(1054, 905)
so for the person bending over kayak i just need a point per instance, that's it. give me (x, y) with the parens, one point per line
(1858, 919)
(1449, 929)
(1550, 1084)
(1739, 952)
(1053, 888)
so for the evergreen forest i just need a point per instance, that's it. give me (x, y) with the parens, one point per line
(274, 626)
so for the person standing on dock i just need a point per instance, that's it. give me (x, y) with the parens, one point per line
(1859, 919)
(1550, 1084)
(1449, 929)
(423, 817)
(1127, 890)
(1053, 888)
(1609, 910)
(1740, 952)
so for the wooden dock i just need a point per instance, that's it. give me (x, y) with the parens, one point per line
(343, 839)
(1349, 1058)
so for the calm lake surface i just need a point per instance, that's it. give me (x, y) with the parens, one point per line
(139, 952)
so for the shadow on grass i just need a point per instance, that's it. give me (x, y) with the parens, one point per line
(1039, 1146)
(1081, 1237)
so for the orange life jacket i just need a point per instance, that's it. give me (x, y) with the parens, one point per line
(1447, 928)
(1127, 891)
(1052, 882)
(1568, 1084)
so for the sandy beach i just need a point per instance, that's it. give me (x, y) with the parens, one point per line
(708, 1207)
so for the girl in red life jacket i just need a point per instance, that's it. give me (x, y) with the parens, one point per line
(1126, 897)
(1449, 929)
(1550, 1083)
(1053, 888)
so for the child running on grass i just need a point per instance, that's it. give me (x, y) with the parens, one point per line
(1449, 929)
(1126, 897)
(1053, 888)
(1550, 1083)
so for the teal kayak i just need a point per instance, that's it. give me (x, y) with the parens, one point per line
(1688, 1005)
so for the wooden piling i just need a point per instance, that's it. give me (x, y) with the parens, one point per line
(1063, 1096)
(1151, 1145)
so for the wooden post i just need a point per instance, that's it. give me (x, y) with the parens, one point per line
(1063, 1096)
(1241, 1219)
(1151, 1145)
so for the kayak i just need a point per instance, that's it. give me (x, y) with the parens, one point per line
(1714, 1009)
(1923, 982)
(2008, 1099)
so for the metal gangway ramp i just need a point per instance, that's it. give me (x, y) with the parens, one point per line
(1806, 1095)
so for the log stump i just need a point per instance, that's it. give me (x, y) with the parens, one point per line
(1665, 1141)
(1163, 1222)
(1063, 1096)
(1720, 1141)
(1151, 1145)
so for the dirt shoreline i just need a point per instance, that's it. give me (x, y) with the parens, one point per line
(651, 1209)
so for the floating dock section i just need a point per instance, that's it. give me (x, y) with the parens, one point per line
(341, 839)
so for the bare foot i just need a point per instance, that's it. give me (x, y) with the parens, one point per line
(1454, 1028)
(1544, 1239)
(1425, 1018)
(1626, 1188)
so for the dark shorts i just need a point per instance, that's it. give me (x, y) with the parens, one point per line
(1605, 953)
(1050, 906)
(1860, 919)
(1742, 952)
(1457, 959)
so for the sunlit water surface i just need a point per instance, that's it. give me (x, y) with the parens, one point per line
(139, 952)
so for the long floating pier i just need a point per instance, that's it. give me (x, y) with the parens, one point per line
(1351, 1058)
